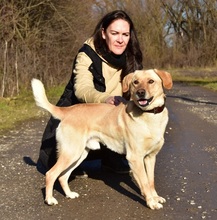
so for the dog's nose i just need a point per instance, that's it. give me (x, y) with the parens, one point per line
(140, 93)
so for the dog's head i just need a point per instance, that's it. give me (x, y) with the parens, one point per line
(146, 87)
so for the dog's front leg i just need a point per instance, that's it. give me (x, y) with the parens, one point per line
(149, 162)
(139, 172)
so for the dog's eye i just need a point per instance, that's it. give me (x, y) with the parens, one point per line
(151, 81)
(136, 82)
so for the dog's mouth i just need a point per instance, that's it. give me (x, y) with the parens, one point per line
(144, 102)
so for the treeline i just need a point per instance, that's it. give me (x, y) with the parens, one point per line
(39, 38)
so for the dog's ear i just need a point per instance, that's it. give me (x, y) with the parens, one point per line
(126, 82)
(166, 78)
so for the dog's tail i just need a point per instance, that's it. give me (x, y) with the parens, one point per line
(42, 101)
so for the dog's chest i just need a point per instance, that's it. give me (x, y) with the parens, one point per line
(153, 123)
(149, 131)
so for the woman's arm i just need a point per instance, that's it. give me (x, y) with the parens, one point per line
(84, 86)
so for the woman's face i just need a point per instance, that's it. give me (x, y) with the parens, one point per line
(117, 36)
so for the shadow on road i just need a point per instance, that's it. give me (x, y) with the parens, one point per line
(192, 100)
(123, 184)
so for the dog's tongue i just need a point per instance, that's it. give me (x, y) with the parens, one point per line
(143, 102)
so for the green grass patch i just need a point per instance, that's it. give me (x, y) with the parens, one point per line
(201, 77)
(210, 83)
(17, 109)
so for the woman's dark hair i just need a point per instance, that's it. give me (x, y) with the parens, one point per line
(133, 51)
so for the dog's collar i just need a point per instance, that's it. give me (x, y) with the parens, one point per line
(156, 110)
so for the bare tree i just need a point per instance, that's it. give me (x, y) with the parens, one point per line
(193, 24)
(40, 38)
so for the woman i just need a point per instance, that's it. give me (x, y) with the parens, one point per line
(111, 53)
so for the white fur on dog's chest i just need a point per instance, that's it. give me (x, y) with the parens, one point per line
(151, 131)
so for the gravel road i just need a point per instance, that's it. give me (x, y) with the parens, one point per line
(186, 171)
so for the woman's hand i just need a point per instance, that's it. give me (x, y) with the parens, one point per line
(115, 100)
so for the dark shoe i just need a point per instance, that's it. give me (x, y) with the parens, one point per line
(114, 162)
(123, 169)
(79, 173)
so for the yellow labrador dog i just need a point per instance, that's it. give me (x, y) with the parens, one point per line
(135, 129)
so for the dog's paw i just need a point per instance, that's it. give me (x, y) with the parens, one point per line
(51, 201)
(72, 195)
(153, 204)
(160, 199)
